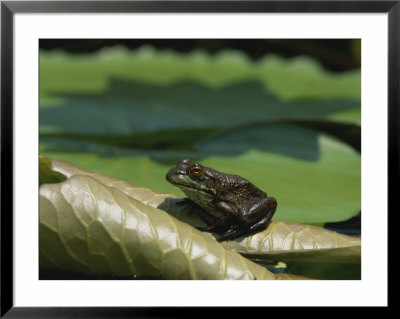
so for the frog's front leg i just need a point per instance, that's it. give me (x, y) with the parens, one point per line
(225, 212)
(193, 207)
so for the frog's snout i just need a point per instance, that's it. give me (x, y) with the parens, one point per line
(180, 169)
(170, 173)
(173, 172)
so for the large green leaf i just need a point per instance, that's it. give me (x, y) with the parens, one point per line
(315, 178)
(279, 242)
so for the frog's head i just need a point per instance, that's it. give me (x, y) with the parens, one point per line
(190, 176)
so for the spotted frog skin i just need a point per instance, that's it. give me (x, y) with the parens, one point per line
(231, 205)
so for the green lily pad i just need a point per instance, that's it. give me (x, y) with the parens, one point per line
(315, 178)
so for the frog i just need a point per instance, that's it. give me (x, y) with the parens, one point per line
(230, 205)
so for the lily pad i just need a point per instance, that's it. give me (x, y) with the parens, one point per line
(314, 177)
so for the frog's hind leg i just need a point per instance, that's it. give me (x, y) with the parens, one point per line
(263, 223)
(260, 225)
(234, 233)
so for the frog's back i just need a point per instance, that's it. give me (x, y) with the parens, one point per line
(235, 186)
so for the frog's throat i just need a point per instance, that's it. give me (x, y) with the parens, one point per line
(205, 191)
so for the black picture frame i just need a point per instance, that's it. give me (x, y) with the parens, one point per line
(9, 8)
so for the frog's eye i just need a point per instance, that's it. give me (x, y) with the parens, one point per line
(196, 170)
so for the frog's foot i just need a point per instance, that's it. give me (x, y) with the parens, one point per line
(262, 224)
(258, 226)
(232, 233)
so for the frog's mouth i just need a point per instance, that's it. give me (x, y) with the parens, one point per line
(182, 181)
(197, 189)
